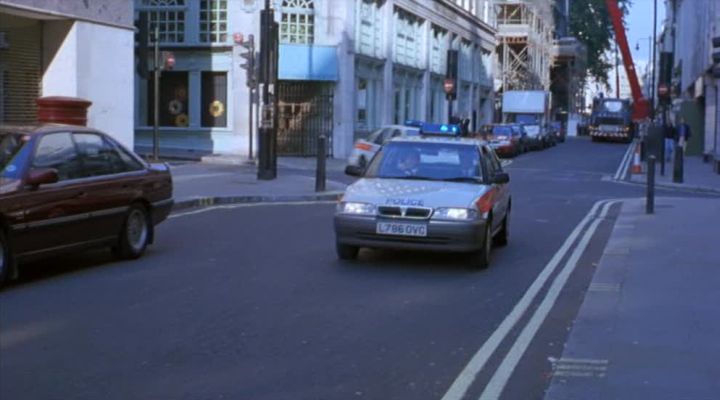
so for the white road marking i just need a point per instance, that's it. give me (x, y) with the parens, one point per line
(467, 376)
(245, 205)
(581, 368)
(502, 375)
(604, 287)
(625, 162)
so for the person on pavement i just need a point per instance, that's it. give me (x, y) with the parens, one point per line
(670, 138)
(683, 133)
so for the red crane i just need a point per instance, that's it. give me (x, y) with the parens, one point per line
(641, 105)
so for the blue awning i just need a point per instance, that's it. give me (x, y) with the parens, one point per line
(307, 63)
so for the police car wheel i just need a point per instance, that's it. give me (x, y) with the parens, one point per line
(481, 258)
(503, 236)
(346, 252)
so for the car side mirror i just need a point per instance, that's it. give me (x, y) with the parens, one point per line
(42, 176)
(501, 177)
(354, 170)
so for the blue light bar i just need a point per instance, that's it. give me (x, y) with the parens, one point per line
(440, 129)
(413, 123)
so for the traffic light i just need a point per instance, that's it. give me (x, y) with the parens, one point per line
(450, 85)
(141, 45)
(716, 57)
(249, 57)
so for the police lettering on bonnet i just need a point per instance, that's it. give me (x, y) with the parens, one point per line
(436, 192)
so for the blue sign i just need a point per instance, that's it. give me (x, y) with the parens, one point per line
(440, 129)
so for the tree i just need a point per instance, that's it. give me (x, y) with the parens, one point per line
(590, 23)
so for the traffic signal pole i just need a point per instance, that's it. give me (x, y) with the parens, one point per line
(267, 140)
(156, 93)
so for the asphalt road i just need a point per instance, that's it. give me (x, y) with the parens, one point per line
(251, 303)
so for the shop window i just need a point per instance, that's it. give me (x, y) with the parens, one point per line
(173, 99)
(214, 99)
(297, 22)
(168, 16)
(213, 21)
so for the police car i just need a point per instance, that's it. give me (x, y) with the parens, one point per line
(364, 149)
(436, 192)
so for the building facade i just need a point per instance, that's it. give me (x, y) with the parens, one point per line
(345, 68)
(694, 90)
(68, 48)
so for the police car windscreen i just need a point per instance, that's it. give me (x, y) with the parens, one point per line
(426, 161)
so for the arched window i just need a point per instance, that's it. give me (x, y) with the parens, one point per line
(297, 22)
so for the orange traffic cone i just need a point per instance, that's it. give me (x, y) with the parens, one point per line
(636, 166)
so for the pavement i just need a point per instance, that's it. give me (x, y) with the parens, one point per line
(698, 176)
(202, 184)
(647, 328)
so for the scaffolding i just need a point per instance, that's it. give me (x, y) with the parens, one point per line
(525, 43)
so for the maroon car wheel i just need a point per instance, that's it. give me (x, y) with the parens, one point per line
(135, 233)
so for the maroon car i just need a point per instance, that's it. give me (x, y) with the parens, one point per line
(66, 188)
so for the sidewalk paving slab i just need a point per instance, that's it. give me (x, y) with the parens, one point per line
(649, 323)
(698, 176)
(204, 184)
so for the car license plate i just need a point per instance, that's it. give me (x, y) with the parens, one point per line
(399, 229)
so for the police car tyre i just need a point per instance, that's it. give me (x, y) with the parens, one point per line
(5, 258)
(346, 252)
(502, 237)
(481, 258)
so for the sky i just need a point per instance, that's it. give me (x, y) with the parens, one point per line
(640, 25)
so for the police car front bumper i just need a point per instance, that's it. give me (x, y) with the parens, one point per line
(442, 235)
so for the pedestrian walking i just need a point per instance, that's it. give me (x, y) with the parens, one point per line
(670, 133)
(683, 133)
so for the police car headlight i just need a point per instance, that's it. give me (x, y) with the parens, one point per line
(349, 207)
(455, 214)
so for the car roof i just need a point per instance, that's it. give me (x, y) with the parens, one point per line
(38, 129)
(439, 139)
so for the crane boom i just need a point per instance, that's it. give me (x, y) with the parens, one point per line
(641, 106)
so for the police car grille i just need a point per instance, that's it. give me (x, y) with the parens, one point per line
(410, 212)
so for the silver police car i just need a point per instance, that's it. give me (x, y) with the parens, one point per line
(427, 193)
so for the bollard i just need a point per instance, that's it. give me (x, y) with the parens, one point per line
(650, 195)
(321, 161)
(678, 164)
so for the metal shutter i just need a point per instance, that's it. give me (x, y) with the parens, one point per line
(21, 65)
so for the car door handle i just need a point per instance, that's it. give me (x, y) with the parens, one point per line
(81, 195)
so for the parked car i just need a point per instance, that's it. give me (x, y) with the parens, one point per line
(506, 140)
(559, 130)
(536, 137)
(66, 188)
(364, 149)
(521, 134)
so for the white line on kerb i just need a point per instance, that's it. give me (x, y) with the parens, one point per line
(245, 205)
(624, 163)
(467, 376)
(497, 383)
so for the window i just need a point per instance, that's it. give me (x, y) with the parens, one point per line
(362, 102)
(57, 150)
(297, 23)
(214, 99)
(369, 28)
(169, 16)
(438, 51)
(98, 156)
(407, 39)
(213, 21)
(173, 99)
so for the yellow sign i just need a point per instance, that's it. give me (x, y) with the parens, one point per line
(181, 120)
